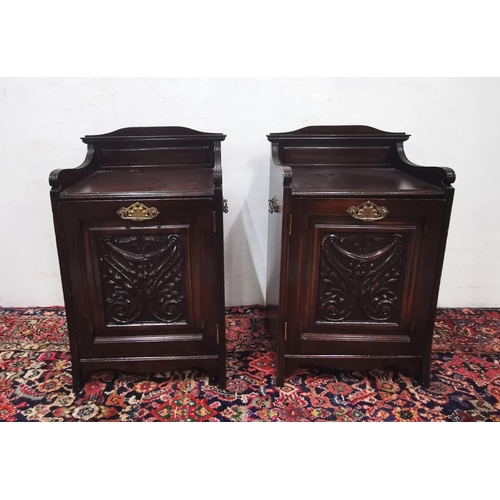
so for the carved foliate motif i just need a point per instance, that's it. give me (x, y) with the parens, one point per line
(360, 277)
(142, 278)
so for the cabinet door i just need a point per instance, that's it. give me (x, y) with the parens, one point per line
(361, 286)
(142, 287)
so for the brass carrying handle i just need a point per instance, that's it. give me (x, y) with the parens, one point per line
(273, 205)
(367, 211)
(138, 211)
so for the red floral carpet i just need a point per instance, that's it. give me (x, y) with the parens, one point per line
(35, 379)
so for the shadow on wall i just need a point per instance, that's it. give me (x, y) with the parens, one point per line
(241, 278)
(245, 244)
(245, 251)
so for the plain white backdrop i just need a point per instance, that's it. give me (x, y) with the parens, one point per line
(453, 122)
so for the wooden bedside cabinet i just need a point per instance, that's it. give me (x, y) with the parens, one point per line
(357, 236)
(140, 242)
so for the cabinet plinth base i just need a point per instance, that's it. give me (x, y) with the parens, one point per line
(413, 364)
(213, 365)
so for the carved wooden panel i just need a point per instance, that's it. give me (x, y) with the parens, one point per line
(360, 277)
(142, 278)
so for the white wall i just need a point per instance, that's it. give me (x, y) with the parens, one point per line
(454, 122)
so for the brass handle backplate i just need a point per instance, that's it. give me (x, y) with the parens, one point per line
(367, 211)
(273, 205)
(138, 211)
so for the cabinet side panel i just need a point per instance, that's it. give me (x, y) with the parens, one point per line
(442, 237)
(219, 265)
(68, 297)
(275, 224)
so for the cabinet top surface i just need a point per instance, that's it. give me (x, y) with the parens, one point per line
(143, 182)
(359, 182)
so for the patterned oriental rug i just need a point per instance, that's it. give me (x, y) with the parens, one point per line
(35, 379)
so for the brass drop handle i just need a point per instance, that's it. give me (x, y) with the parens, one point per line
(273, 205)
(138, 211)
(367, 212)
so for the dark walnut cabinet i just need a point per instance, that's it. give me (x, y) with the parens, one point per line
(140, 241)
(357, 236)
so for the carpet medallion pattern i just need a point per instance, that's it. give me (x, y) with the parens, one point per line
(35, 379)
